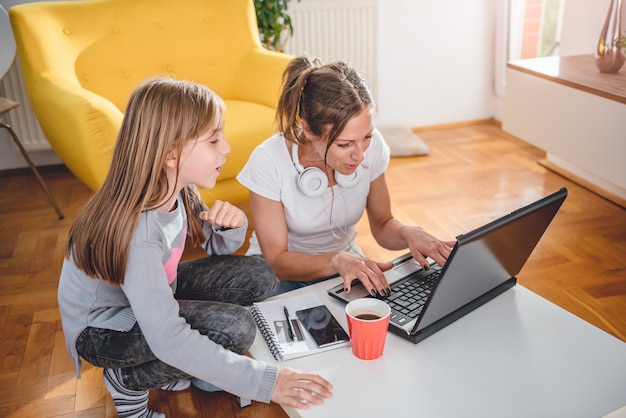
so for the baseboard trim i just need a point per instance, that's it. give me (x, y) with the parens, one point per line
(455, 125)
(583, 183)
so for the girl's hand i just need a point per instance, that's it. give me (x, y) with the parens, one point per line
(369, 272)
(298, 390)
(224, 214)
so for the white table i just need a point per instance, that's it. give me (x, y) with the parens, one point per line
(517, 356)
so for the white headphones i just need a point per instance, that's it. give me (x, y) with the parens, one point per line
(312, 181)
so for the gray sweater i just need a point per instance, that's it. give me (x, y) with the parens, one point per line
(147, 298)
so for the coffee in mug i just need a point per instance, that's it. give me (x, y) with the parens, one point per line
(368, 316)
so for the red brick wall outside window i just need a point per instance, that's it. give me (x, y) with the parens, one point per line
(540, 29)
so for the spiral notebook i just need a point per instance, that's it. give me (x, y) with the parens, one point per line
(271, 320)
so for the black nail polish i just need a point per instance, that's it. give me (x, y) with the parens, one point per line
(345, 289)
(373, 292)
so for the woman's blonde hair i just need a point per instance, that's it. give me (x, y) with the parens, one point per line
(161, 116)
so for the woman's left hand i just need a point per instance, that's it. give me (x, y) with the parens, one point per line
(224, 214)
(423, 245)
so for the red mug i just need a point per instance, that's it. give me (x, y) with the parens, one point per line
(368, 322)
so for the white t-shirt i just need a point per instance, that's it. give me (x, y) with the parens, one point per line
(271, 173)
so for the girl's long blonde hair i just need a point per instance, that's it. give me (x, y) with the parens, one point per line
(161, 116)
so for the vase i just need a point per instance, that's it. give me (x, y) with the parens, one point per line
(609, 56)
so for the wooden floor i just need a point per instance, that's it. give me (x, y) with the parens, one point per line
(474, 174)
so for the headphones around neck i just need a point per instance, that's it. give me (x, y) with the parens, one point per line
(312, 181)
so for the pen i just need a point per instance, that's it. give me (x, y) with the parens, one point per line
(289, 328)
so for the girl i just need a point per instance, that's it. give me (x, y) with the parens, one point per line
(311, 183)
(126, 303)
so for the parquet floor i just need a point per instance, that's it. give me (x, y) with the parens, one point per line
(473, 175)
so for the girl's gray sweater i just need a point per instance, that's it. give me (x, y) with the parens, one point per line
(147, 298)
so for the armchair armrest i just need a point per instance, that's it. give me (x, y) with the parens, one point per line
(80, 125)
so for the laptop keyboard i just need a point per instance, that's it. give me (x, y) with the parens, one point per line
(408, 297)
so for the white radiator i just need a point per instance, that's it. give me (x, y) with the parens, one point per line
(337, 30)
(22, 119)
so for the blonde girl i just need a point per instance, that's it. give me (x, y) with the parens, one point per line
(129, 305)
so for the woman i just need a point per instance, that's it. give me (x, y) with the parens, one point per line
(311, 183)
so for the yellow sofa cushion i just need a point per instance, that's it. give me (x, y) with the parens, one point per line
(82, 59)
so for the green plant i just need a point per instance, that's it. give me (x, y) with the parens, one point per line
(621, 41)
(275, 27)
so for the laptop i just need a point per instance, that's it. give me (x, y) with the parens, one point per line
(482, 265)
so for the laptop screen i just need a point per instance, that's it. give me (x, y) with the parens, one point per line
(489, 256)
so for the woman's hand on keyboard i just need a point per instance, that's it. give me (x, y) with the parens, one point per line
(368, 272)
(422, 245)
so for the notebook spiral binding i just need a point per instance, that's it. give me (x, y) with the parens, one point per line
(266, 331)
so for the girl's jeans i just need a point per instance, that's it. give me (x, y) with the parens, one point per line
(213, 294)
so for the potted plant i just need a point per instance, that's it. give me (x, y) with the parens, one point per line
(274, 23)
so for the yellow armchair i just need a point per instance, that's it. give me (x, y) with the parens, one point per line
(82, 59)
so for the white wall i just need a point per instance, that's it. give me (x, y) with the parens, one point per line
(436, 57)
(582, 23)
(435, 61)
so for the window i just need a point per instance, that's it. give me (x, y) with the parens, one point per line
(535, 28)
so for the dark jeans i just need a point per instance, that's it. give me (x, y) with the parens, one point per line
(283, 286)
(213, 294)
